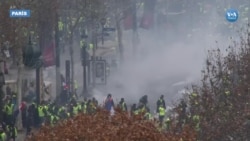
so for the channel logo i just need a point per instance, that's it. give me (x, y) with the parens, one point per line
(232, 15)
(19, 13)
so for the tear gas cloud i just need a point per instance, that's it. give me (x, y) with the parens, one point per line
(165, 62)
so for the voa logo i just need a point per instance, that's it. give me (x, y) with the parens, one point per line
(19, 13)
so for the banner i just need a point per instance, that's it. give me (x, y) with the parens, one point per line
(147, 20)
(49, 55)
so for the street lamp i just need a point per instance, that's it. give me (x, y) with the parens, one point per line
(103, 22)
(38, 80)
(2, 83)
(31, 59)
(84, 62)
(2, 79)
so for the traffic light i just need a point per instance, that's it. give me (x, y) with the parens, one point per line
(31, 55)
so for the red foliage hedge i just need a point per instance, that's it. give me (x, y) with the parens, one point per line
(102, 127)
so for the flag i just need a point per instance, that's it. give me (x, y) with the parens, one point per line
(49, 55)
(128, 16)
(147, 20)
(128, 22)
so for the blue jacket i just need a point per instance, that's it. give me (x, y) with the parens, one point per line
(109, 103)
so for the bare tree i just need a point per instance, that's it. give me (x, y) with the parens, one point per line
(79, 12)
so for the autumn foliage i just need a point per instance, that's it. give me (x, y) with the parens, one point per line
(102, 127)
(222, 101)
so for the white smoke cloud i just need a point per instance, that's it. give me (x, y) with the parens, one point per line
(166, 62)
(164, 66)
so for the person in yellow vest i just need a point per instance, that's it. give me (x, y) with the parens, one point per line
(82, 43)
(136, 112)
(3, 136)
(122, 105)
(75, 109)
(84, 106)
(142, 108)
(75, 88)
(8, 112)
(148, 115)
(11, 132)
(79, 107)
(45, 109)
(161, 101)
(62, 113)
(60, 25)
(53, 119)
(194, 97)
(91, 46)
(167, 123)
(41, 114)
(196, 120)
(14, 98)
(162, 113)
(92, 106)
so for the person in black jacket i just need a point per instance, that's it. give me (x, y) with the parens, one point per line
(133, 109)
(144, 100)
(32, 118)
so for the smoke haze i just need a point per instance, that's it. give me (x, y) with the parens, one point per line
(166, 61)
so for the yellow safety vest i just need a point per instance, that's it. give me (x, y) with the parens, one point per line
(122, 106)
(46, 107)
(167, 120)
(3, 137)
(148, 116)
(143, 109)
(75, 110)
(91, 46)
(161, 111)
(194, 94)
(82, 42)
(60, 25)
(60, 110)
(15, 131)
(79, 107)
(9, 109)
(40, 111)
(85, 108)
(53, 119)
(196, 119)
(76, 85)
(136, 112)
